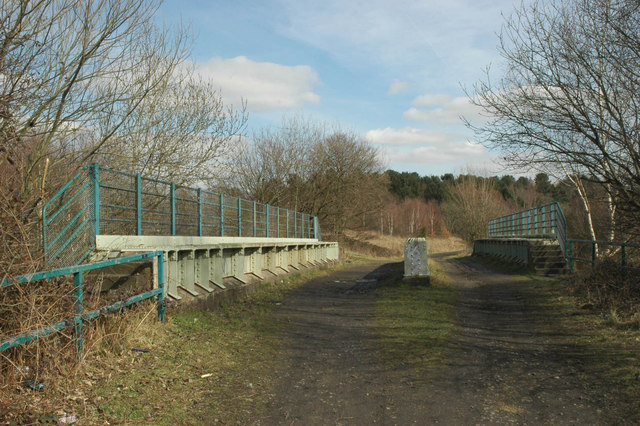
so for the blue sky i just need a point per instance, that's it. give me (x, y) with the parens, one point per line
(393, 71)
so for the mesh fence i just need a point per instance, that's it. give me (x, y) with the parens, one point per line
(68, 223)
(133, 205)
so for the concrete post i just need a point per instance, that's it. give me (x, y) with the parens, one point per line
(415, 261)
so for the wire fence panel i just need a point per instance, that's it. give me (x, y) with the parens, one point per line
(101, 201)
(117, 203)
(155, 206)
(68, 222)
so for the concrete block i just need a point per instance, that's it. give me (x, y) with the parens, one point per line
(415, 260)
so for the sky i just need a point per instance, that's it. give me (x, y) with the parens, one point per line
(394, 71)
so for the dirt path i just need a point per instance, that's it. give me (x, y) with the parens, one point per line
(502, 369)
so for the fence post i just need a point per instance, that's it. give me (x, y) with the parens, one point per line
(79, 310)
(239, 217)
(138, 204)
(221, 215)
(255, 232)
(266, 221)
(199, 212)
(161, 301)
(277, 222)
(552, 219)
(287, 210)
(295, 224)
(173, 208)
(96, 196)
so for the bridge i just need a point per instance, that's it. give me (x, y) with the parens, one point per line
(535, 237)
(204, 236)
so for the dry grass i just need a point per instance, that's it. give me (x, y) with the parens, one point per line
(394, 245)
(67, 382)
(607, 291)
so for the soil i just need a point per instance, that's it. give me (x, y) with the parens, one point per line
(506, 365)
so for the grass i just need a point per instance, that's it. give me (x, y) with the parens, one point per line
(604, 346)
(201, 367)
(607, 350)
(415, 322)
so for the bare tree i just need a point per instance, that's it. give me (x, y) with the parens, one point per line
(472, 203)
(310, 167)
(569, 96)
(179, 133)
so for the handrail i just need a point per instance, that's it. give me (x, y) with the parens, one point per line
(546, 221)
(572, 258)
(78, 284)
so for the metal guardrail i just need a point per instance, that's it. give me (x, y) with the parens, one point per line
(80, 315)
(101, 201)
(575, 254)
(547, 221)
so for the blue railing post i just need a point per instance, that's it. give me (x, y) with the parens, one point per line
(173, 208)
(255, 231)
(138, 204)
(266, 220)
(239, 217)
(79, 310)
(161, 301)
(199, 212)
(295, 224)
(277, 222)
(287, 210)
(221, 215)
(95, 171)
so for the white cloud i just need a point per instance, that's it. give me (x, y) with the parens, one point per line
(409, 136)
(417, 146)
(446, 41)
(265, 86)
(398, 87)
(447, 110)
(430, 100)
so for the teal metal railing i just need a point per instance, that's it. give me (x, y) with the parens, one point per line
(78, 295)
(625, 255)
(547, 221)
(102, 201)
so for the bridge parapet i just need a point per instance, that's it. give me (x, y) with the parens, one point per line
(544, 222)
(100, 201)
